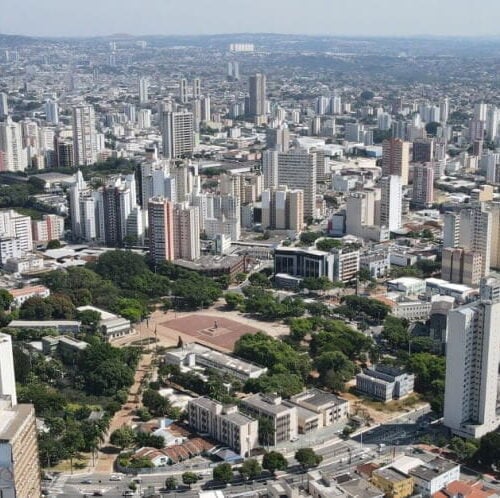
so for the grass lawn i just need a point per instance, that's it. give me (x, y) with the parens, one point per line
(394, 406)
(79, 462)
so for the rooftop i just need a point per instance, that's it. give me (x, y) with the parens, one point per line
(391, 474)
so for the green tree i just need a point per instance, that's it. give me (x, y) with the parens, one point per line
(463, 449)
(189, 478)
(250, 469)
(171, 483)
(53, 244)
(395, 332)
(488, 452)
(335, 369)
(234, 299)
(5, 299)
(259, 280)
(223, 473)
(72, 442)
(274, 461)
(157, 404)
(308, 238)
(35, 308)
(328, 244)
(266, 431)
(283, 384)
(316, 284)
(308, 458)
(124, 437)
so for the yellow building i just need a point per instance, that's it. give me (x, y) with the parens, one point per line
(393, 483)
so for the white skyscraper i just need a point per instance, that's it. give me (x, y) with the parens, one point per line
(143, 90)
(178, 134)
(444, 110)
(51, 112)
(391, 202)
(144, 119)
(472, 361)
(205, 109)
(4, 106)
(257, 85)
(84, 135)
(7, 377)
(11, 144)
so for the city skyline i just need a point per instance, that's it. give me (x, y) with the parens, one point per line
(156, 17)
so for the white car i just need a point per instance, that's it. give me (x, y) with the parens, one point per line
(115, 477)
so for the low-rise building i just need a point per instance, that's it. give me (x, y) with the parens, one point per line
(60, 326)
(393, 483)
(384, 382)
(412, 310)
(112, 326)
(193, 354)
(65, 345)
(224, 424)
(407, 285)
(434, 475)
(461, 293)
(19, 296)
(378, 264)
(283, 417)
(329, 408)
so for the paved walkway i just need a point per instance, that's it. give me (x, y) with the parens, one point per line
(105, 461)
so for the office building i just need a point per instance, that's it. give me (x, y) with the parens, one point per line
(297, 169)
(283, 417)
(257, 89)
(177, 133)
(472, 359)
(395, 158)
(14, 157)
(345, 264)
(186, 232)
(384, 382)
(283, 209)
(84, 135)
(161, 229)
(225, 424)
(391, 202)
(423, 185)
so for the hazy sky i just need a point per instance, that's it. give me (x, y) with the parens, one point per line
(334, 17)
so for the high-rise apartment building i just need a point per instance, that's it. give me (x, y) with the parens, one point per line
(161, 229)
(14, 155)
(50, 227)
(196, 88)
(270, 168)
(257, 101)
(423, 185)
(183, 91)
(423, 150)
(283, 209)
(472, 360)
(84, 135)
(278, 138)
(7, 377)
(177, 133)
(144, 119)
(4, 106)
(470, 228)
(19, 467)
(395, 158)
(143, 90)
(51, 112)
(186, 232)
(494, 208)
(461, 267)
(391, 202)
(297, 170)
